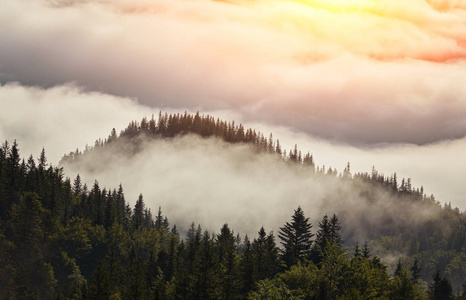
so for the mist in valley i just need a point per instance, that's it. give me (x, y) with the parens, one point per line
(210, 182)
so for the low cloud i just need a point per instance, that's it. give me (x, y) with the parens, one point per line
(211, 182)
(61, 119)
(64, 118)
(361, 72)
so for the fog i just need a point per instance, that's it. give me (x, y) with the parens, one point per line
(64, 118)
(371, 82)
(361, 72)
(211, 182)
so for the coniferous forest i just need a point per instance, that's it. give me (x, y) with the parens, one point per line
(63, 239)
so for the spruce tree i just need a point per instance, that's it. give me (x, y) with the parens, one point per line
(138, 213)
(440, 288)
(416, 271)
(259, 254)
(296, 238)
(335, 227)
(357, 251)
(323, 234)
(247, 267)
(328, 233)
(272, 259)
(399, 266)
(366, 251)
(77, 186)
(228, 276)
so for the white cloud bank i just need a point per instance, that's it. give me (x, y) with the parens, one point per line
(211, 182)
(64, 118)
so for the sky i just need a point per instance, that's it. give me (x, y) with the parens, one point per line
(372, 82)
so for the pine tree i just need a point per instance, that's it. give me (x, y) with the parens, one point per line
(247, 267)
(272, 258)
(101, 287)
(121, 206)
(398, 269)
(403, 288)
(440, 288)
(259, 254)
(328, 233)
(347, 171)
(416, 271)
(207, 275)
(278, 148)
(228, 275)
(323, 234)
(366, 251)
(138, 214)
(159, 219)
(42, 161)
(296, 238)
(335, 227)
(357, 251)
(77, 185)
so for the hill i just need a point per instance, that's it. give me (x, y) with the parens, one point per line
(63, 238)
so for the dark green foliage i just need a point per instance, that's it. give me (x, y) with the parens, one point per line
(61, 240)
(337, 277)
(247, 267)
(267, 289)
(228, 274)
(440, 288)
(416, 271)
(357, 251)
(260, 259)
(296, 238)
(138, 213)
(405, 288)
(328, 234)
(365, 250)
(335, 227)
(259, 252)
(398, 269)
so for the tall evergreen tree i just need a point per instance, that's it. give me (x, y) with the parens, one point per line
(398, 269)
(440, 288)
(138, 214)
(228, 275)
(247, 266)
(416, 271)
(403, 288)
(365, 250)
(335, 227)
(328, 233)
(259, 253)
(272, 258)
(323, 234)
(296, 238)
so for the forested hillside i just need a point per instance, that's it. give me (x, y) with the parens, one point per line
(63, 239)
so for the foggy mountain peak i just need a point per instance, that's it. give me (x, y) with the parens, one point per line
(215, 171)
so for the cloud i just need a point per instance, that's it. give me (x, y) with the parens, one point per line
(62, 118)
(211, 182)
(362, 72)
(438, 167)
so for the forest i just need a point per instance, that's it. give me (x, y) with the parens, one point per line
(63, 239)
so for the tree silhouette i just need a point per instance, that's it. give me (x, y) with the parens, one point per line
(296, 237)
